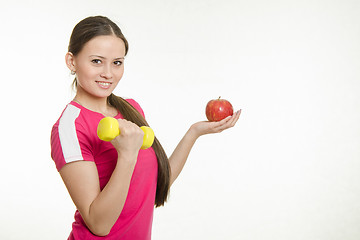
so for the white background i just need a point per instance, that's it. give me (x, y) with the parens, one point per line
(288, 170)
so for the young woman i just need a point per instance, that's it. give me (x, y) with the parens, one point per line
(114, 185)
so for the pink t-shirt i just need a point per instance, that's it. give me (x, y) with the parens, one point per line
(73, 138)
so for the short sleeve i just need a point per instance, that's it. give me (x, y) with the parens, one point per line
(69, 141)
(136, 105)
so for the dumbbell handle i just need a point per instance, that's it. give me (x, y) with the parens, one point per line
(108, 129)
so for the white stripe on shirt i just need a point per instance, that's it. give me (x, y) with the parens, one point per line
(67, 134)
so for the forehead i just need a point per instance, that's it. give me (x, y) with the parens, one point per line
(106, 46)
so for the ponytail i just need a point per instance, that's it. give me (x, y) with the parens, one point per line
(163, 180)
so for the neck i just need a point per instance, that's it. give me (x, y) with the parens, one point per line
(96, 104)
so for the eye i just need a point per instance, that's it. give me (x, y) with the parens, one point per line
(96, 61)
(118, 63)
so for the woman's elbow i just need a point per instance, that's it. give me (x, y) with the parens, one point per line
(98, 230)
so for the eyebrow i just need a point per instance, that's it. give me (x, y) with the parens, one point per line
(98, 56)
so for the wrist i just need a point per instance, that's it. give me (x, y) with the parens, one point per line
(127, 157)
(193, 133)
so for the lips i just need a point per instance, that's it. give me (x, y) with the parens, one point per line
(104, 85)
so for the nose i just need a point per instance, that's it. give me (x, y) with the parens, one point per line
(106, 72)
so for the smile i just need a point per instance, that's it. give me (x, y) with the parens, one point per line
(104, 84)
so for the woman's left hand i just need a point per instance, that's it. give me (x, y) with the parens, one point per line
(178, 158)
(205, 127)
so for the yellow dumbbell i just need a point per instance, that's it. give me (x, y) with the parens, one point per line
(108, 129)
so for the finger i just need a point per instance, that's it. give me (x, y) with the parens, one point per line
(122, 124)
(235, 118)
(225, 120)
(127, 126)
(230, 122)
(220, 123)
(224, 123)
(230, 119)
(221, 128)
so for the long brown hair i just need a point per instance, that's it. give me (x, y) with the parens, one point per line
(83, 32)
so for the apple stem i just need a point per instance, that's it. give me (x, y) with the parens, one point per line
(219, 98)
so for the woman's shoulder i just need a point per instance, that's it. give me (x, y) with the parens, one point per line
(75, 114)
(132, 101)
(136, 105)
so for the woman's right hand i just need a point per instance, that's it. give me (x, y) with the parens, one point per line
(130, 139)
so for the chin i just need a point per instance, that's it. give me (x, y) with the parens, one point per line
(101, 94)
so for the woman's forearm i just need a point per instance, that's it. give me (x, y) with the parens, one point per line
(178, 158)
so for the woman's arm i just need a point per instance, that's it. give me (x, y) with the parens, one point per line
(101, 209)
(178, 158)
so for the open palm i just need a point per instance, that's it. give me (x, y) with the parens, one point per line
(206, 127)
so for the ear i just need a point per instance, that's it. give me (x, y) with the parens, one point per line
(70, 61)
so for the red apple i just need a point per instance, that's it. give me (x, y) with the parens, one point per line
(218, 109)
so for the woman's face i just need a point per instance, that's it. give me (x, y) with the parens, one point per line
(99, 66)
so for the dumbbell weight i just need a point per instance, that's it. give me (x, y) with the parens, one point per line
(108, 129)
